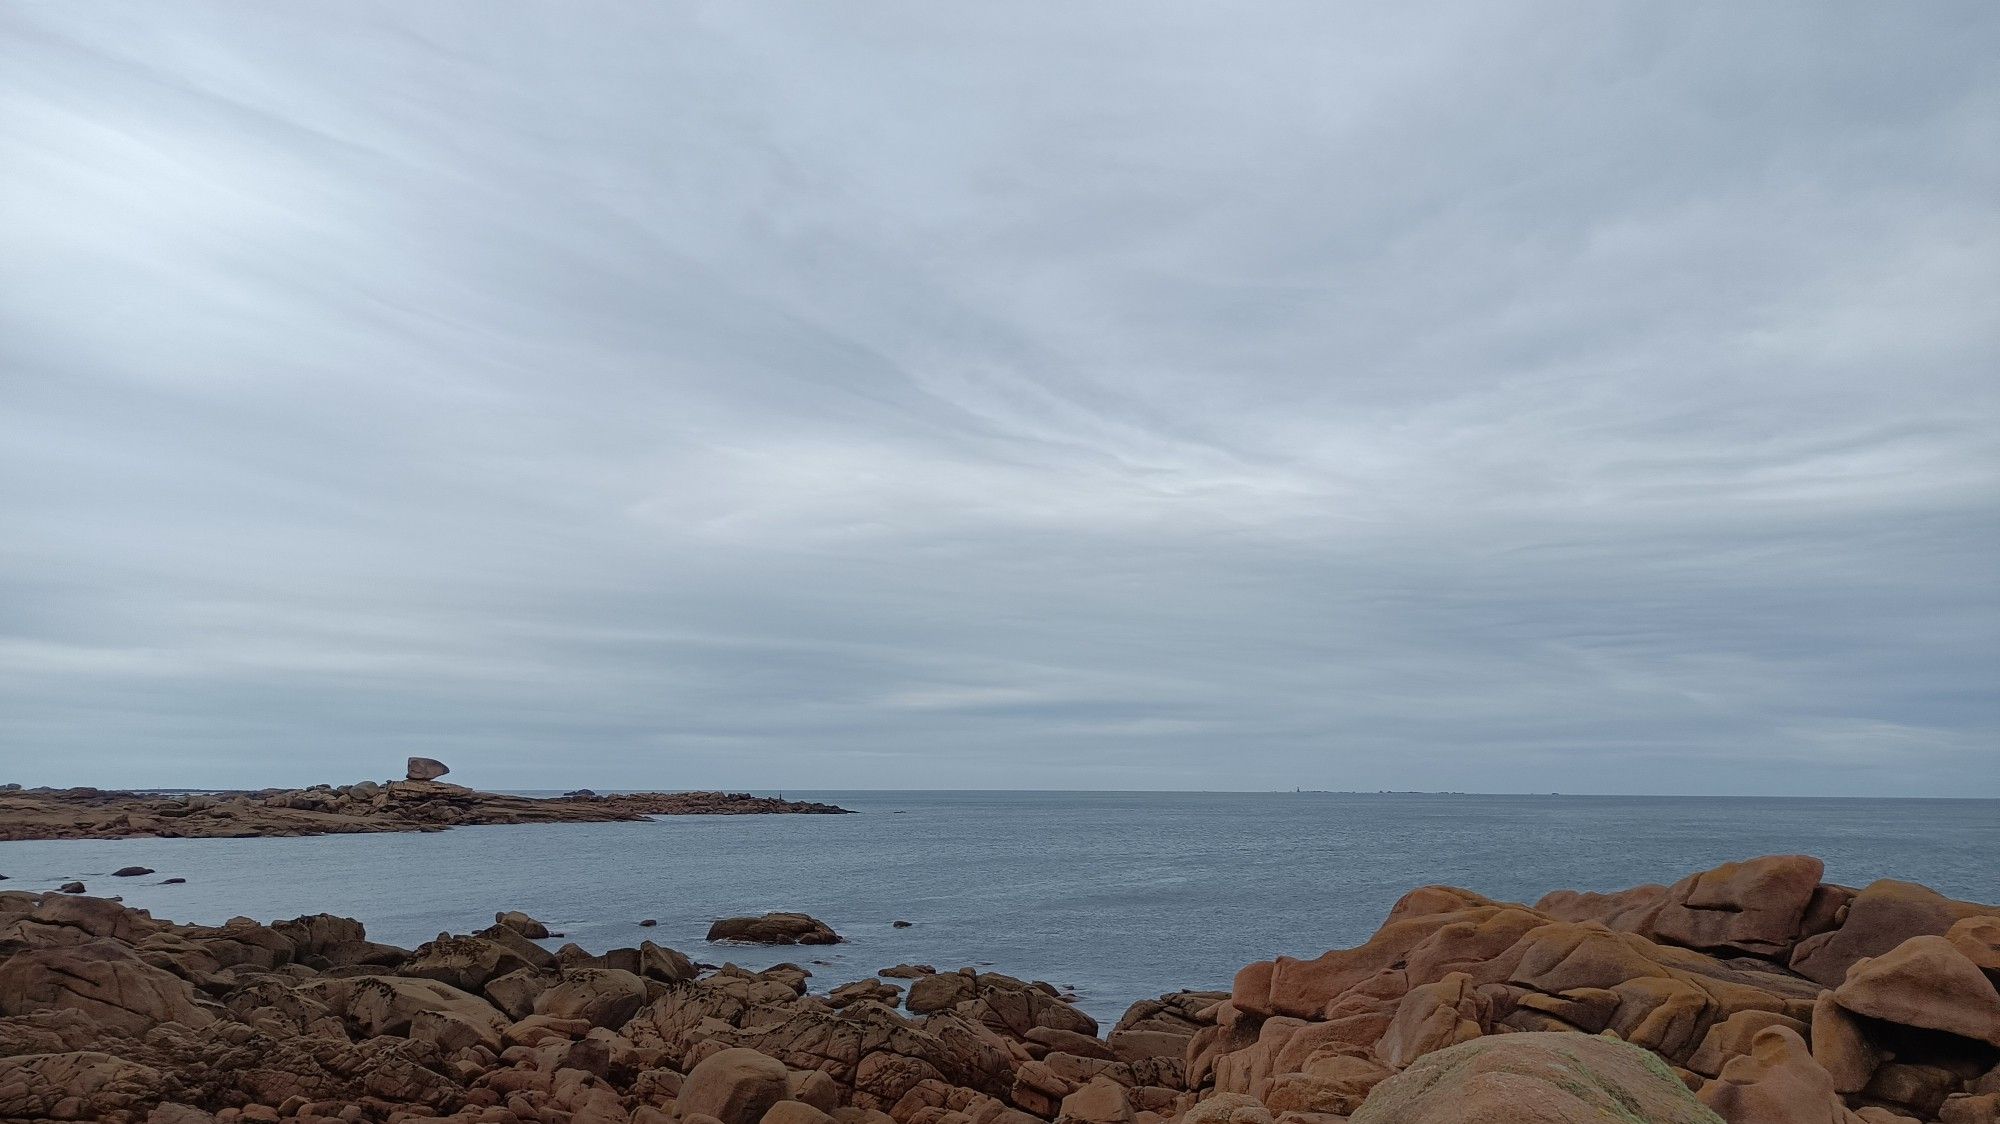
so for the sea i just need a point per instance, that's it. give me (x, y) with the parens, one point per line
(1118, 896)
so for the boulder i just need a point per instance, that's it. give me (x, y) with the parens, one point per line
(426, 769)
(1978, 940)
(735, 1086)
(71, 888)
(773, 928)
(131, 871)
(1777, 1082)
(1925, 982)
(606, 997)
(1228, 1108)
(1534, 1078)
(941, 992)
(1756, 906)
(871, 991)
(522, 923)
(466, 963)
(1101, 1101)
(1841, 1046)
(795, 1112)
(1883, 915)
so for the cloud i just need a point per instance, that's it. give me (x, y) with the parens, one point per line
(1430, 397)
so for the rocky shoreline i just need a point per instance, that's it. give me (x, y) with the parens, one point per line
(1755, 993)
(420, 802)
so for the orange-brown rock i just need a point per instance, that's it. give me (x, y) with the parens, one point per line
(1756, 906)
(1776, 1083)
(1842, 1047)
(1978, 940)
(774, 928)
(1925, 982)
(734, 1087)
(1883, 915)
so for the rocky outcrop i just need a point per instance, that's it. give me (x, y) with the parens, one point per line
(774, 928)
(415, 804)
(1706, 974)
(1459, 1008)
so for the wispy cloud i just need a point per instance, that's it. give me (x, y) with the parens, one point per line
(1437, 395)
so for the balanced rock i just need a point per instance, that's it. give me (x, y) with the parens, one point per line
(1534, 1078)
(427, 769)
(774, 928)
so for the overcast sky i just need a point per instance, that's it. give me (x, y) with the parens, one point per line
(1585, 397)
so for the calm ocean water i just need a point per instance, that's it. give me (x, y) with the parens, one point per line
(1120, 895)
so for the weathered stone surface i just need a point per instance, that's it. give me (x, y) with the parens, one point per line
(941, 992)
(1776, 1083)
(734, 1086)
(85, 1085)
(1534, 1078)
(1925, 982)
(603, 997)
(1756, 906)
(101, 979)
(1883, 915)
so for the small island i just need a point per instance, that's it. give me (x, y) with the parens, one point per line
(419, 802)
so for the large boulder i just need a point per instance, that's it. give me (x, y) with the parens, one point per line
(606, 997)
(426, 769)
(774, 928)
(1883, 915)
(466, 963)
(1776, 1083)
(735, 1086)
(1755, 906)
(1534, 1078)
(1925, 982)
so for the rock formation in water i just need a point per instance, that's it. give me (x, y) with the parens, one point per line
(774, 928)
(366, 806)
(1716, 998)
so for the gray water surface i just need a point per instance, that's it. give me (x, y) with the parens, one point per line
(1121, 895)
